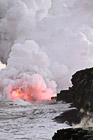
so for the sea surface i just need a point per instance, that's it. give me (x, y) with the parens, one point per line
(21, 120)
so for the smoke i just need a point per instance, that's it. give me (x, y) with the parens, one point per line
(43, 42)
(27, 68)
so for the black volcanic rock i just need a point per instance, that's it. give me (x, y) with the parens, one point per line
(70, 117)
(81, 97)
(65, 95)
(81, 93)
(73, 134)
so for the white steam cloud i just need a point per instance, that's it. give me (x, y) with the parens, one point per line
(43, 43)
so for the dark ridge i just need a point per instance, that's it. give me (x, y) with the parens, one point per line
(81, 93)
(70, 116)
(73, 134)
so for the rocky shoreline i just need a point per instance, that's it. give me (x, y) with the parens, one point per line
(73, 134)
(80, 95)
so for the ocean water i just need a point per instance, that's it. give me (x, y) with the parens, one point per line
(21, 120)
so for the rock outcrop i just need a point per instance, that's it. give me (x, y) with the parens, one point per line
(81, 97)
(73, 134)
(81, 93)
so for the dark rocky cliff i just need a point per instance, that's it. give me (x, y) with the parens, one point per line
(73, 134)
(80, 95)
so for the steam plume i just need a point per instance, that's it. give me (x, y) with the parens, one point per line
(46, 39)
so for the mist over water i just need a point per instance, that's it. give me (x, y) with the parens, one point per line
(45, 39)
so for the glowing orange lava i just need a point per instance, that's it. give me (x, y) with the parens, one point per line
(15, 94)
(31, 94)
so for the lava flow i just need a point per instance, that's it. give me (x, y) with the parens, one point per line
(19, 93)
(31, 94)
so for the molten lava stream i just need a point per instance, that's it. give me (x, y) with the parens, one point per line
(15, 94)
(32, 94)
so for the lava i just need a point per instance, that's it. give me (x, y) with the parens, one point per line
(31, 94)
(18, 93)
